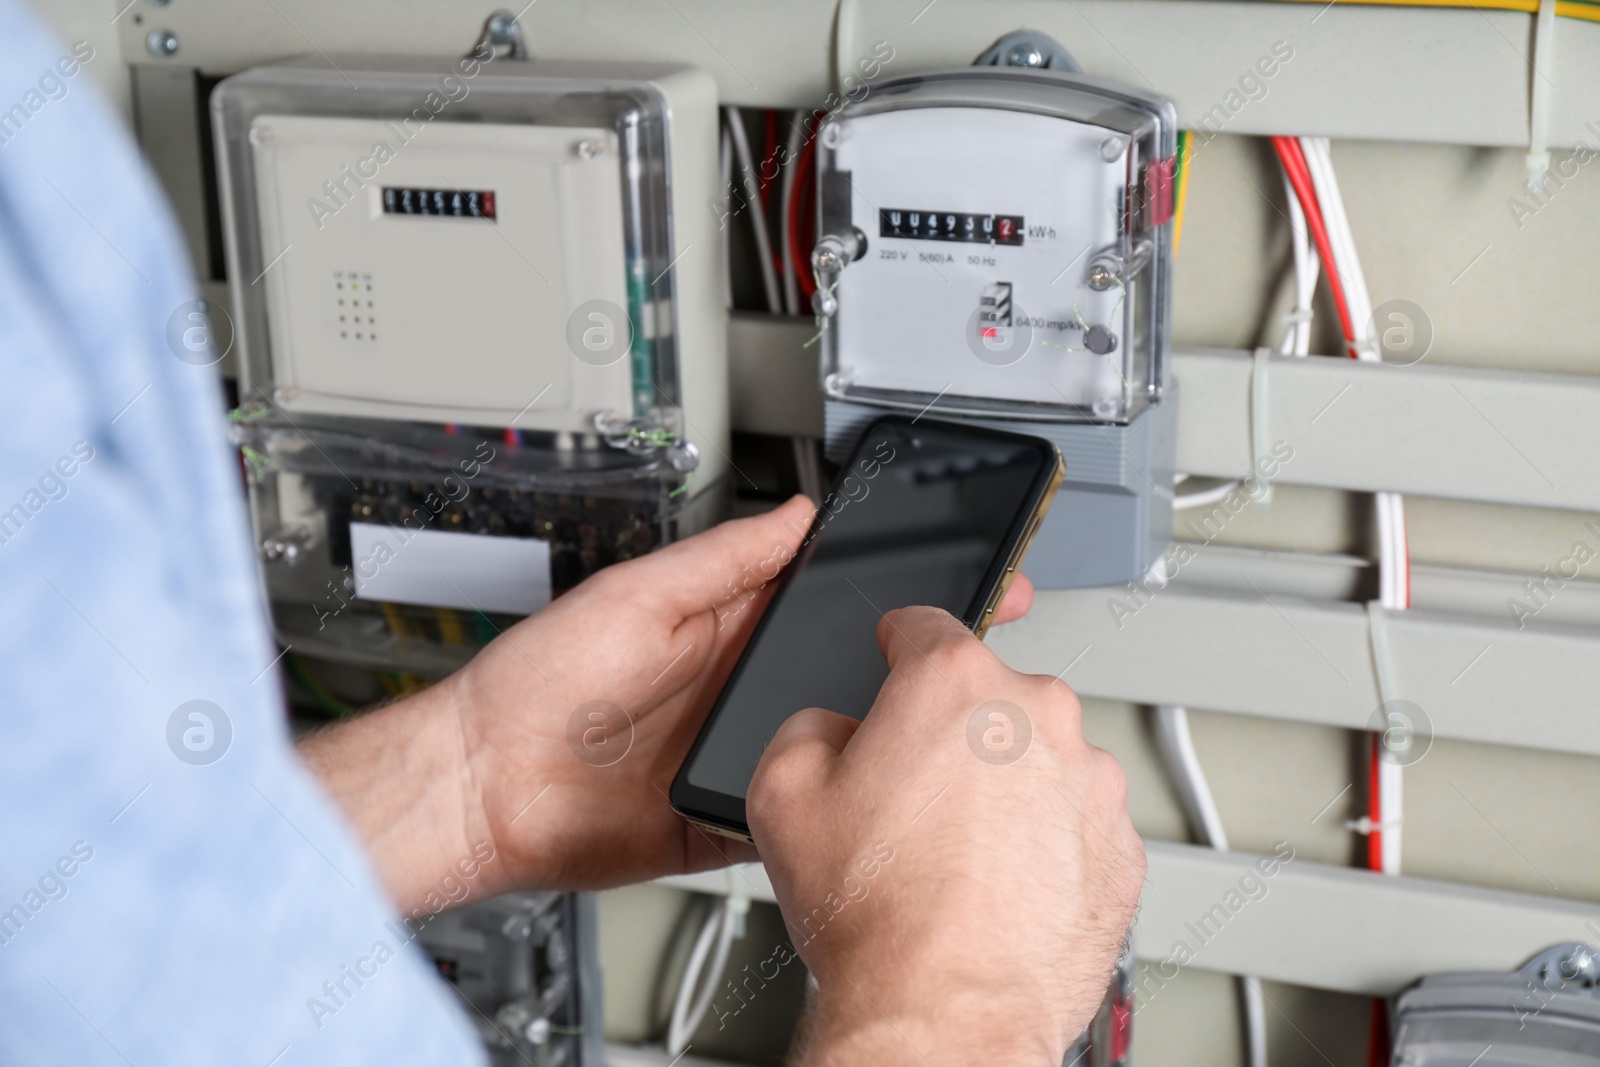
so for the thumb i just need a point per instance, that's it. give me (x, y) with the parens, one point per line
(727, 560)
(795, 763)
(912, 635)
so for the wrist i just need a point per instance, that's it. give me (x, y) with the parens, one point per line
(853, 1026)
(402, 777)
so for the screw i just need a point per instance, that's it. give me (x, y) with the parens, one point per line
(1111, 149)
(1099, 340)
(1100, 277)
(1579, 965)
(500, 27)
(162, 44)
(1025, 54)
(828, 259)
(589, 148)
(683, 456)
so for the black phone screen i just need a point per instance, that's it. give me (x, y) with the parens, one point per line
(923, 513)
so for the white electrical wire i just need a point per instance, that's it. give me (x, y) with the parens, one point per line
(808, 467)
(1201, 497)
(1319, 161)
(1255, 1020)
(1177, 750)
(791, 173)
(727, 229)
(1297, 338)
(1394, 592)
(758, 218)
(687, 1016)
(1176, 744)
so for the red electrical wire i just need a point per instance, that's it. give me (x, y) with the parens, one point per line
(1374, 804)
(769, 150)
(804, 181)
(1294, 165)
(1378, 1036)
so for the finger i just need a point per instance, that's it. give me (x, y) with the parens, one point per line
(738, 557)
(1018, 599)
(815, 726)
(911, 635)
(802, 752)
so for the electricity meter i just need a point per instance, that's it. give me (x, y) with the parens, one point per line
(478, 307)
(528, 967)
(1544, 1014)
(522, 246)
(995, 244)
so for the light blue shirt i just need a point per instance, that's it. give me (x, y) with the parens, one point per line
(153, 909)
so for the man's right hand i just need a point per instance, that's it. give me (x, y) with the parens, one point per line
(958, 870)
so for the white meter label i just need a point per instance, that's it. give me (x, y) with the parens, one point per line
(438, 568)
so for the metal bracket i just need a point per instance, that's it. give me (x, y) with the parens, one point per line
(1028, 49)
(1569, 967)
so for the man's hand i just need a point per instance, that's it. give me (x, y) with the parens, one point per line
(958, 870)
(555, 747)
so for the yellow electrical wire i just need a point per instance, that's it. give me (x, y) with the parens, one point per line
(396, 618)
(1185, 153)
(1572, 9)
(449, 626)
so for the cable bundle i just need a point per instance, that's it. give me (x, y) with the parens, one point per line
(1308, 167)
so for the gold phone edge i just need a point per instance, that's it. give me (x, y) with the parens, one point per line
(1035, 521)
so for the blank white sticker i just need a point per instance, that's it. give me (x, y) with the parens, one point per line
(436, 568)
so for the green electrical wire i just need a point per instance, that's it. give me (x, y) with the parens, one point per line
(319, 693)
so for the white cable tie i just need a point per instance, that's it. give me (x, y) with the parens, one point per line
(1389, 784)
(1258, 424)
(1543, 62)
(1296, 317)
(1367, 827)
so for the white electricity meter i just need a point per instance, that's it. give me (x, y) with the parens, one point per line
(995, 241)
(995, 246)
(479, 313)
(481, 241)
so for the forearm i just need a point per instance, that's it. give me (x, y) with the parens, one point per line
(401, 776)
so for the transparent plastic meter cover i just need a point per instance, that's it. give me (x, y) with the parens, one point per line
(461, 247)
(1006, 245)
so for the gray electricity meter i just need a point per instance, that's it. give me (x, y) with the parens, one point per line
(1544, 1014)
(996, 245)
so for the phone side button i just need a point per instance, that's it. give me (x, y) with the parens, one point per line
(998, 595)
(1022, 544)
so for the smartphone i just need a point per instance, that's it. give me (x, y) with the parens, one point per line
(923, 512)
